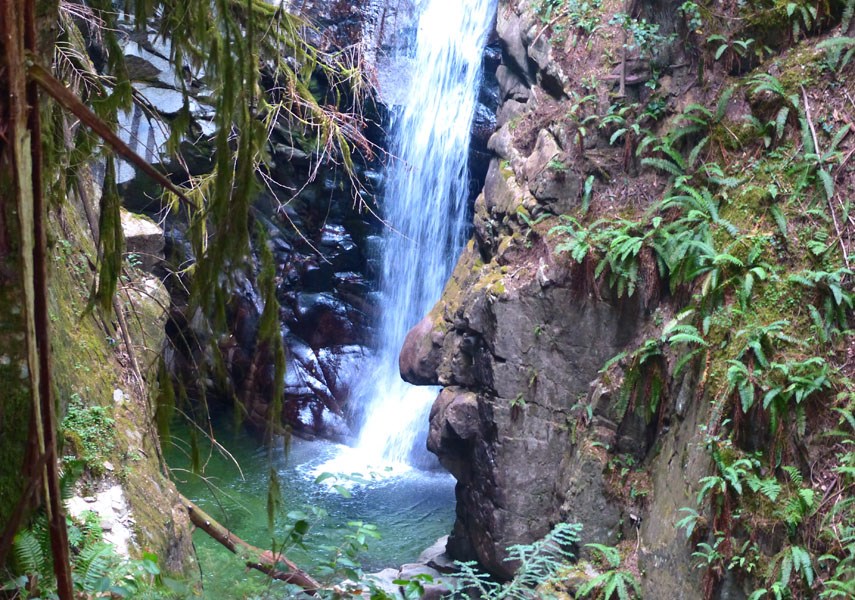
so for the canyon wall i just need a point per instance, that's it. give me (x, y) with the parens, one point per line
(534, 343)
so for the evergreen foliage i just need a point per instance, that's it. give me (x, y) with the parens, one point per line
(97, 570)
(614, 582)
(540, 565)
(751, 243)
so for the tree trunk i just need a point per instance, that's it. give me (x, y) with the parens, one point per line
(29, 471)
(16, 407)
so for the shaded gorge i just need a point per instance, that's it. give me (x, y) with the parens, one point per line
(342, 343)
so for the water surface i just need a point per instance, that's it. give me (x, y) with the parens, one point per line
(410, 508)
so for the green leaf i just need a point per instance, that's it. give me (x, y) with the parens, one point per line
(342, 491)
(686, 338)
(689, 521)
(617, 135)
(663, 165)
(781, 121)
(720, 259)
(839, 135)
(324, 477)
(696, 151)
(780, 220)
(586, 193)
(757, 348)
(721, 107)
(837, 293)
(827, 183)
(610, 587)
(28, 553)
(609, 553)
(746, 396)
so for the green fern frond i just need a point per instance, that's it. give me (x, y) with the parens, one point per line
(827, 182)
(93, 567)
(723, 101)
(663, 165)
(609, 553)
(794, 474)
(28, 553)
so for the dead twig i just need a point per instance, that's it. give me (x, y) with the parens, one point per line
(819, 166)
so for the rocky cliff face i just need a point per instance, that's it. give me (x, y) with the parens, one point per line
(525, 422)
(531, 424)
(105, 373)
(516, 346)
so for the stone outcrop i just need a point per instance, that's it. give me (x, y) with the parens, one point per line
(527, 422)
(111, 364)
(321, 245)
(516, 347)
(143, 240)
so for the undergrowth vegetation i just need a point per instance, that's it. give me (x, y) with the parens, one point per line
(549, 569)
(750, 247)
(98, 571)
(89, 432)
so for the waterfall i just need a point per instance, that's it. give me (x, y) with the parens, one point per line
(424, 206)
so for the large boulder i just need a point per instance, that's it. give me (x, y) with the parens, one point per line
(517, 355)
(144, 240)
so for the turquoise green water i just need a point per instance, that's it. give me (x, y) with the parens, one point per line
(410, 510)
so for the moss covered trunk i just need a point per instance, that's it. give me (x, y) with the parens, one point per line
(16, 405)
(27, 421)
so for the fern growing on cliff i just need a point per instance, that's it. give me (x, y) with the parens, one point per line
(540, 565)
(644, 369)
(836, 300)
(614, 582)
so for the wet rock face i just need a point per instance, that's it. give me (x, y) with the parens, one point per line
(484, 123)
(326, 253)
(380, 25)
(324, 328)
(337, 23)
(321, 244)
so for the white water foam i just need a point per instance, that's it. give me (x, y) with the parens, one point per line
(424, 203)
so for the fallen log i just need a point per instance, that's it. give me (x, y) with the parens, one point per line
(255, 558)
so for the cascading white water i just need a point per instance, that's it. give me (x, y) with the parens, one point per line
(425, 208)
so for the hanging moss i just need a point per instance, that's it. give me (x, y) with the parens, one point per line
(112, 241)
